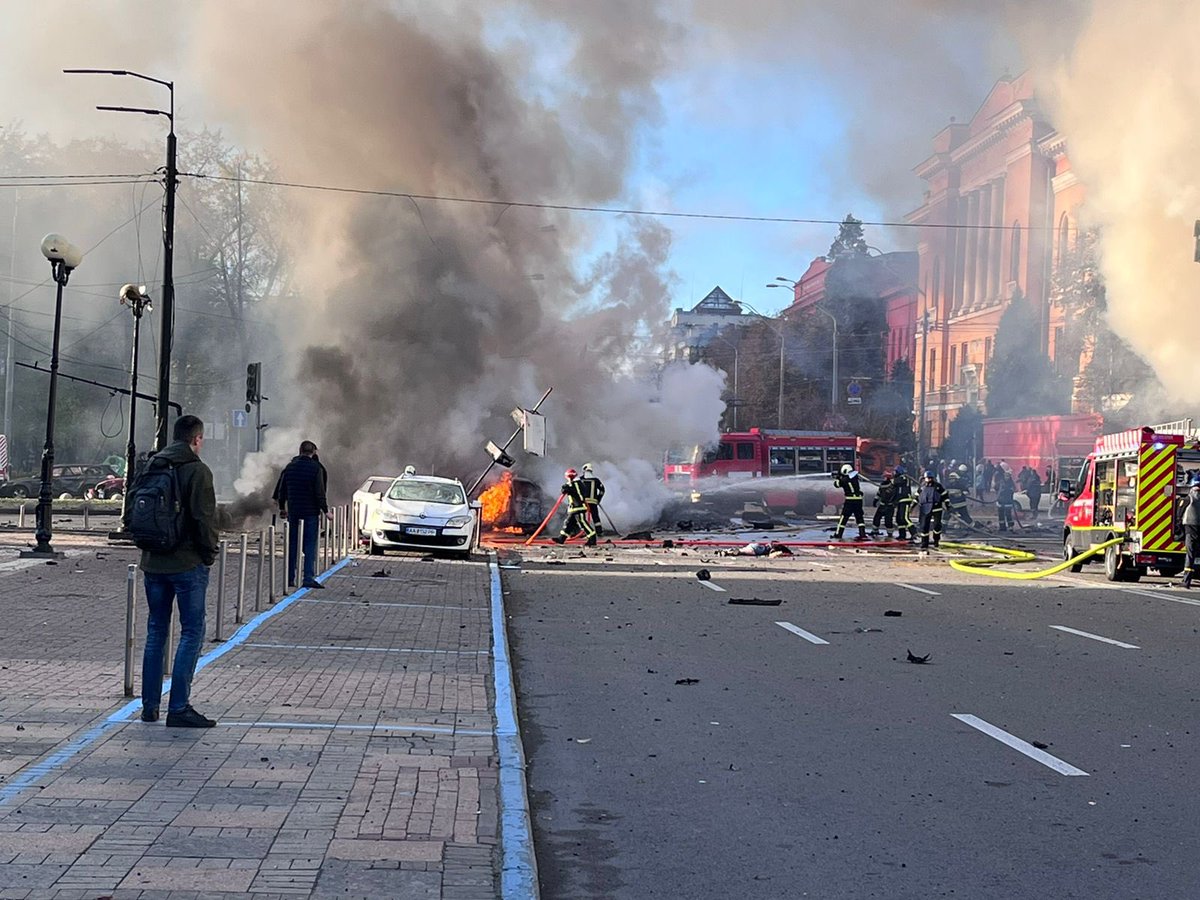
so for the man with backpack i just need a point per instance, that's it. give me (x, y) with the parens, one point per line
(300, 494)
(172, 517)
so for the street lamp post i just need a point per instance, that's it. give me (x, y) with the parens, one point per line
(64, 258)
(167, 307)
(782, 342)
(139, 304)
(734, 347)
(779, 282)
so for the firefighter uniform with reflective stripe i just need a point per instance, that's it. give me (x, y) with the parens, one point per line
(905, 526)
(931, 502)
(577, 517)
(956, 498)
(885, 505)
(852, 505)
(593, 492)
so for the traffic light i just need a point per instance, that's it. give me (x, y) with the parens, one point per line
(253, 384)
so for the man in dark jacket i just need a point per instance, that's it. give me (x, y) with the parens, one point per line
(180, 576)
(300, 494)
(885, 505)
(1191, 529)
(930, 504)
(906, 527)
(577, 514)
(1004, 501)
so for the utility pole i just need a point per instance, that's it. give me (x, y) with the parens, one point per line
(167, 297)
(8, 353)
(924, 367)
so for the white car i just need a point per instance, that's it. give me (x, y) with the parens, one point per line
(424, 512)
(368, 497)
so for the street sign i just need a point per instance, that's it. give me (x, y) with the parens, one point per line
(854, 401)
(238, 418)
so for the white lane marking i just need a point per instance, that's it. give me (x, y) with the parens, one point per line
(807, 635)
(382, 726)
(1096, 637)
(712, 586)
(1053, 762)
(362, 649)
(1155, 596)
(913, 587)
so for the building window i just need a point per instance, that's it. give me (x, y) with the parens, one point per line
(953, 355)
(932, 369)
(1058, 337)
(1014, 264)
(937, 287)
(963, 358)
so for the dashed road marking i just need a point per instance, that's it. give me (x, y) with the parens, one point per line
(913, 587)
(712, 586)
(1096, 637)
(1156, 596)
(1053, 762)
(807, 635)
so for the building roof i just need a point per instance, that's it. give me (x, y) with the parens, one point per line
(719, 303)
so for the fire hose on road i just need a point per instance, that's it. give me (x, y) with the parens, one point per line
(1008, 556)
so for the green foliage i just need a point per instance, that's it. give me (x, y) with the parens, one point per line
(1021, 380)
(849, 241)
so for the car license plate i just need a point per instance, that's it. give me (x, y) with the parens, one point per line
(415, 530)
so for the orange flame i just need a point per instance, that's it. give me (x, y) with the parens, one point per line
(496, 499)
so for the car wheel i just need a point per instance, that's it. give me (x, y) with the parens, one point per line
(1069, 553)
(20, 492)
(1113, 570)
(375, 549)
(66, 495)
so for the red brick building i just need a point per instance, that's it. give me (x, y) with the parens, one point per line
(999, 211)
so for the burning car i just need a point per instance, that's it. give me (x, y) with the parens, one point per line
(423, 512)
(513, 504)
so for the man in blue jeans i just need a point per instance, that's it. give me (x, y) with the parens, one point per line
(180, 576)
(300, 494)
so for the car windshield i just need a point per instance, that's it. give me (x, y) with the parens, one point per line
(427, 492)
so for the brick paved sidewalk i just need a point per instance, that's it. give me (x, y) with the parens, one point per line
(355, 755)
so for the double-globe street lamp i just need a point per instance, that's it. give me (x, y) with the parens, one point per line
(780, 282)
(64, 258)
(782, 342)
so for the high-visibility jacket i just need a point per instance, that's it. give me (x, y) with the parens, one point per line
(849, 484)
(573, 491)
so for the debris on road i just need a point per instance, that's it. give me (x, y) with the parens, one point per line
(893, 612)
(687, 681)
(382, 573)
(913, 658)
(754, 601)
(1040, 745)
(639, 536)
(704, 575)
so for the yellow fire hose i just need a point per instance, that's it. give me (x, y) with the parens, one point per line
(983, 566)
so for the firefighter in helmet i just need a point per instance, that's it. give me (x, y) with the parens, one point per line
(885, 505)
(593, 493)
(852, 505)
(577, 518)
(956, 495)
(931, 502)
(906, 528)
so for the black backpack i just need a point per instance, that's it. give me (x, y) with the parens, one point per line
(156, 515)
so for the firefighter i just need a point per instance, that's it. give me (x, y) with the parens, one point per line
(885, 505)
(577, 518)
(1004, 501)
(847, 479)
(956, 491)
(906, 528)
(409, 472)
(593, 493)
(931, 502)
(1190, 516)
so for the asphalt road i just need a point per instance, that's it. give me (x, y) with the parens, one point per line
(801, 769)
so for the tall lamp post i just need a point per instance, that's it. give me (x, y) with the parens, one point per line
(779, 282)
(734, 347)
(782, 343)
(64, 258)
(167, 309)
(139, 304)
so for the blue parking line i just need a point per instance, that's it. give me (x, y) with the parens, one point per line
(39, 770)
(518, 876)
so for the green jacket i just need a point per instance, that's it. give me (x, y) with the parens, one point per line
(199, 547)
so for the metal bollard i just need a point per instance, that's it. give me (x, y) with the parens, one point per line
(287, 549)
(219, 631)
(239, 607)
(300, 555)
(325, 535)
(87, 511)
(271, 564)
(258, 579)
(21, 517)
(130, 625)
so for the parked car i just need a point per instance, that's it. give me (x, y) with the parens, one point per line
(368, 497)
(66, 481)
(111, 488)
(423, 512)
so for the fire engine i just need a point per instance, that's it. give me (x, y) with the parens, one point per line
(1127, 489)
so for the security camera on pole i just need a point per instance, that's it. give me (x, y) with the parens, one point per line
(64, 258)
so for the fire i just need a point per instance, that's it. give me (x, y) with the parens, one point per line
(496, 499)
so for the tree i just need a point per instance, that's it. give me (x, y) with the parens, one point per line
(1021, 380)
(964, 441)
(849, 241)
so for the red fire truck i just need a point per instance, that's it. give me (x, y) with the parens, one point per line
(1128, 489)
